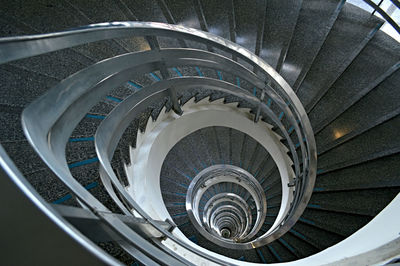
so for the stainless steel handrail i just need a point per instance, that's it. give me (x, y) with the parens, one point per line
(50, 134)
(213, 175)
(111, 127)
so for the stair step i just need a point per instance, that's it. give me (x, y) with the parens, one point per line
(282, 252)
(362, 202)
(340, 223)
(380, 139)
(216, 16)
(317, 237)
(342, 45)
(265, 255)
(383, 99)
(20, 87)
(301, 248)
(306, 42)
(371, 64)
(183, 13)
(11, 120)
(278, 30)
(380, 173)
(245, 22)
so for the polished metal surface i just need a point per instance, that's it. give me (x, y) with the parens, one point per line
(62, 107)
(234, 200)
(222, 205)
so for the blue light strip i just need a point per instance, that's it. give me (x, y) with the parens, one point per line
(114, 99)
(183, 174)
(155, 76)
(184, 224)
(297, 234)
(84, 162)
(81, 139)
(137, 86)
(193, 239)
(69, 196)
(180, 194)
(286, 244)
(313, 206)
(180, 214)
(177, 72)
(61, 200)
(275, 253)
(306, 221)
(261, 256)
(219, 75)
(199, 71)
(178, 203)
(95, 116)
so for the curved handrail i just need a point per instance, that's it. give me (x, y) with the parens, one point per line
(123, 114)
(38, 44)
(49, 135)
(196, 190)
(385, 15)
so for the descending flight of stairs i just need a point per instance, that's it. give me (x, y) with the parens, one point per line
(344, 70)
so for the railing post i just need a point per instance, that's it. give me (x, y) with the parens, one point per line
(154, 45)
(257, 116)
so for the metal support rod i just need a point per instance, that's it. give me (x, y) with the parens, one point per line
(373, 12)
(171, 91)
(154, 45)
(257, 116)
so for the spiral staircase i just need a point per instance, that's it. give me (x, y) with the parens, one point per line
(199, 133)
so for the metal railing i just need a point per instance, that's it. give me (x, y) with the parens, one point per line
(62, 107)
(377, 8)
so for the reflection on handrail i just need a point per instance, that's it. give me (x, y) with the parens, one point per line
(63, 106)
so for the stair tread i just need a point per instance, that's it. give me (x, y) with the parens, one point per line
(379, 55)
(306, 41)
(343, 43)
(278, 29)
(384, 99)
(379, 139)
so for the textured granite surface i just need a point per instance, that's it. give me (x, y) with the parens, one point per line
(381, 53)
(343, 43)
(183, 13)
(19, 87)
(363, 202)
(377, 140)
(246, 14)
(216, 14)
(306, 41)
(334, 223)
(384, 99)
(349, 104)
(317, 237)
(278, 30)
(382, 172)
